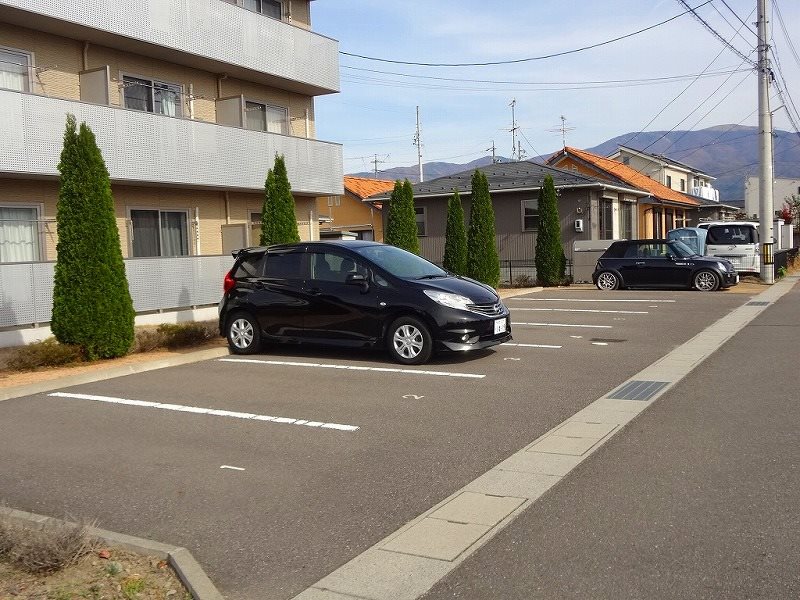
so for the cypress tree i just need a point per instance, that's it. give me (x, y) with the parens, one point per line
(278, 219)
(455, 244)
(550, 260)
(92, 305)
(483, 263)
(401, 221)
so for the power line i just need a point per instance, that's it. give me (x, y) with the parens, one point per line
(529, 59)
(717, 35)
(735, 14)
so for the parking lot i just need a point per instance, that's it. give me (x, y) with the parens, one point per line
(275, 469)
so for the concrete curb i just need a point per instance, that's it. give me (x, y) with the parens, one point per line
(102, 374)
(180, 559)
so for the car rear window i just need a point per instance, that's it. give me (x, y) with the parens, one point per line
(617, 250)
(251, 265)
(732, 234)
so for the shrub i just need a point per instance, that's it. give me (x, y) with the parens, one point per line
(45, 549)
(455, 243)
(278, 219)
(549, 257)
(175, 336)
(483, 263)
(401, 222)
(48, 353)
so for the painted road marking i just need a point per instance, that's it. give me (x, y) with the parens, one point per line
(288, 363)
(587, 300)
(206, 411)
(599, 344)
(231, 468)
(562, 325)
(530, 345)
(588, 310)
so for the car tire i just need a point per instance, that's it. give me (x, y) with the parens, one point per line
(706, 281)
(243, 333)
(409, 341)
(607, 280)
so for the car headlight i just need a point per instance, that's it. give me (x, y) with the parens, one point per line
(449, 300)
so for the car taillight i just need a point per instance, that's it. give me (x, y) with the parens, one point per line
(228, 283)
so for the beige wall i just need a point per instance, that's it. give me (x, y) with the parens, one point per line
(352, 214)
(301, 13)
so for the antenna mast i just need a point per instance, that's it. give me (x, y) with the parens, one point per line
(418, 143)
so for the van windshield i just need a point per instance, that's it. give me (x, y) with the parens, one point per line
(401, 263)
(732, 234)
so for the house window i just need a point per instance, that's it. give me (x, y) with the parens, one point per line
(530, 215)
(658, 228)
(626, 220)
(269, 8)
(683, 185)
(152, 96)
(263, 117)
(606, 220)
(669, 181)
(160, 233)
(421, 220)
(14, 70)
(680, 218)
(19, 234)
(670, 215)
(626, 160)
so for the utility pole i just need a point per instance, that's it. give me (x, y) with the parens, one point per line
(513, 129)
(418, 143)
(494, 153)
(766, 216)
(375, 163)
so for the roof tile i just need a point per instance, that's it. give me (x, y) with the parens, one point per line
(364, 188)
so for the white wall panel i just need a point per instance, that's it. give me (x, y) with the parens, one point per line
(212, 29)
(141, 147)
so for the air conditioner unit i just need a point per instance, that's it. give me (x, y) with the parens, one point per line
(579, 225)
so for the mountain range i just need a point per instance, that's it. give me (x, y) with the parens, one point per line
(727, 152)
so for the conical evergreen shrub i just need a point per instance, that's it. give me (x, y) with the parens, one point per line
(278, 218)
(483, 263)
(549, 259)
(455, 244)
(92, 305)
(401, 221)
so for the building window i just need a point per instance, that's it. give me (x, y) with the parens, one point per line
(263, 117)
(152, 96)
(14, 70)
(530, 215)
(19, 234)
(421, 220)
(160, 233)
(626, 160)
(658, 228)
(680, 218)
(683, 185)
(606, 220)
(269, 8)
(670, 217)
(626, 220)
(669, 181)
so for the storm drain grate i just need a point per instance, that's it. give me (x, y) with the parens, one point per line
(638, 390)
(757, 303)
(607, 340)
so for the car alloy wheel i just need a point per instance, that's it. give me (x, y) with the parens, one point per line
(706, 281)
(607, 281)
(410, 341)
(243, 335)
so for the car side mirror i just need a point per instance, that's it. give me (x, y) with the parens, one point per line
(671, 257)
(358, 279)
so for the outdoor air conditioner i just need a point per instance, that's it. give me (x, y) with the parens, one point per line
(579, 225)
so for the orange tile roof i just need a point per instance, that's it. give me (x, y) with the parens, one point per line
(364, 188)
(630, 176)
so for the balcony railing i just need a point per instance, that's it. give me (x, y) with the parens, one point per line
(706, 192)
(206, 34)
(141, 147)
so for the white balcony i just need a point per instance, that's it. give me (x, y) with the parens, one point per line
(211, 35)
(142, 148)
(706, 193)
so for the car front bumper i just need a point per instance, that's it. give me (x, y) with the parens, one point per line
(461, 335)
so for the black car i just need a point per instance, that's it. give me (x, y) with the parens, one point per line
(661, 263)
(358, 294)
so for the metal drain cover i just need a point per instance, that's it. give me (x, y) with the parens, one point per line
(758, 303)
(607, 340)
(638, 390)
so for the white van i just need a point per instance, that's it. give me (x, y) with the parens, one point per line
(736, 241)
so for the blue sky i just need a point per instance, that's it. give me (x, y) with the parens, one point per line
(375, 113)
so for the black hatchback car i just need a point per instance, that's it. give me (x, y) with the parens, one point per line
(357, 294)
(661, 263)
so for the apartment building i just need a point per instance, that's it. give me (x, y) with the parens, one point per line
(190, 102)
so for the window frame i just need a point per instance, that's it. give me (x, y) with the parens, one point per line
(605, 221)
(627, 214)
(266, 105)
(185, 211)
(29, 68)
(669, 181)
(179, 109)
(240, 4)
(523, 216)
(424, 222)
(39, 246)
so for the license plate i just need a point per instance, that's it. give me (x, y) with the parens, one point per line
(499, 326)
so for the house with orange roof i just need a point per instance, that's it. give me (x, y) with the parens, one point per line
(658, 212)
(348, 216)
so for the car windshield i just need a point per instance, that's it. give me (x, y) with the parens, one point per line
(681, 250)
(401, 263)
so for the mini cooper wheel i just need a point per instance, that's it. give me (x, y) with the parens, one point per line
(706, 281)
(244, 336)
(607, 281)
(409, 340)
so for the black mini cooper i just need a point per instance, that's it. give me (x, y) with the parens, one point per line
(661, 263)
(357, 294)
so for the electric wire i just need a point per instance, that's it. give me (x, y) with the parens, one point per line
(717, 35)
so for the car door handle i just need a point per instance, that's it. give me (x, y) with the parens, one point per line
(259, 285)
(640, 264)
(315, 291)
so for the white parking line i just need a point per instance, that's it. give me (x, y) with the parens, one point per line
(587, 310)
(563, 325)
(231, 468)
(206, 411)
(588, 300)
(288, 363)
(530, 345)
